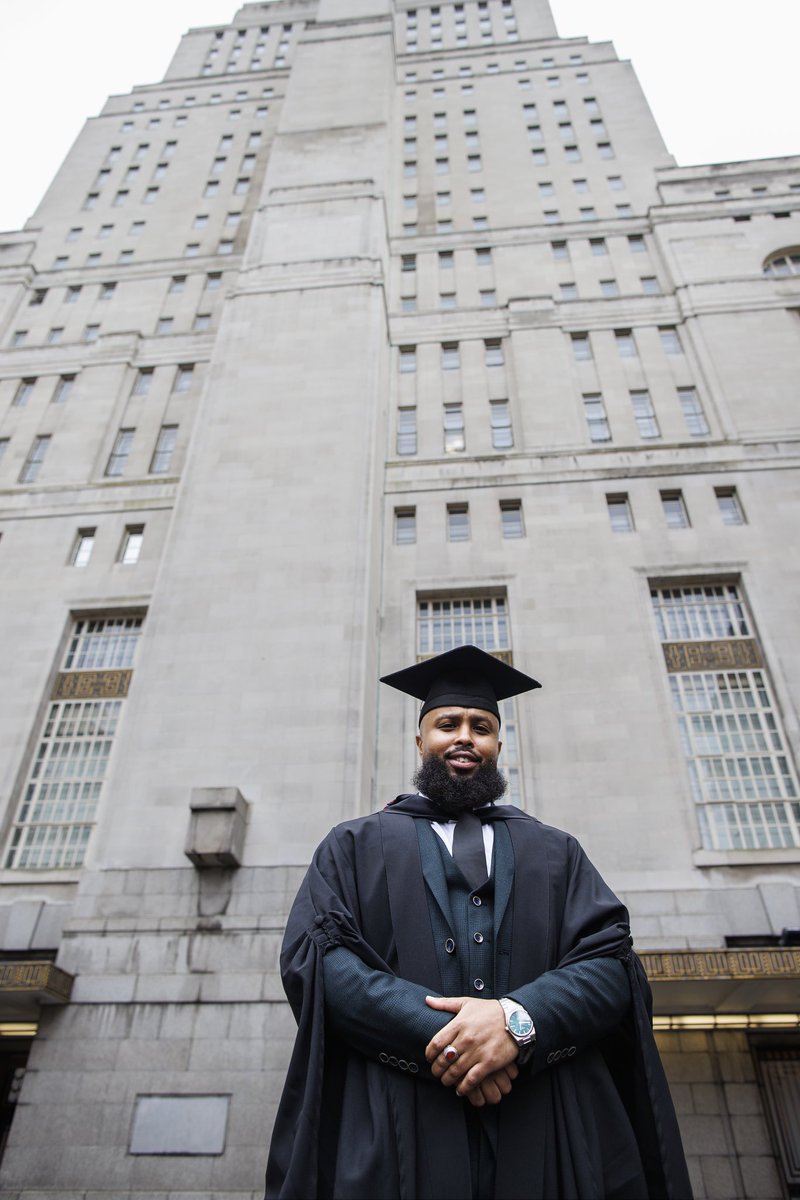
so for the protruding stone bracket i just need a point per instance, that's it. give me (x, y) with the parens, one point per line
(217, 827)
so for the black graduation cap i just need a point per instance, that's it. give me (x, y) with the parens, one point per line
(465, 676)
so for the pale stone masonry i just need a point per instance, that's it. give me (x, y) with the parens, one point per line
(370, 329)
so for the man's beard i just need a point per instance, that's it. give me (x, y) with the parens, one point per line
(454, 796)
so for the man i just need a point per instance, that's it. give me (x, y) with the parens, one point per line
(472, 1021)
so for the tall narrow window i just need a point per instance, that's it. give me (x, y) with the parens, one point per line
(458, 523)
(693, 412)
(164, 449)
(407, 430)
(451, 360)
(24, 392)
(82, 547)
(405, 526)
(645, 415)
(619, 513)
(675, 512)
(581, 347)
(131, 546)
(596, 418)
(511, 518)
(502, 433)
(183, 377)
(730, 507)
(119, 452)
(670, 339)
(59, 800)
(625, 343)
(493, 349)
(483, 621)
(454, 438)
(408, 360)
(33, 463)
(740, 771)
(63, 389)
(144, 378)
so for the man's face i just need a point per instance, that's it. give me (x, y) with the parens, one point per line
(465, 739)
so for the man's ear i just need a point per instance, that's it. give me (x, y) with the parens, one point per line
(499, 748)
(418, 740)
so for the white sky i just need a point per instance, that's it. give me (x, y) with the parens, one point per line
(719, 74)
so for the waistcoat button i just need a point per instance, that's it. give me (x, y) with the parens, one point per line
(479, 985)
(477, 937)
(476, 900)
(450, 946)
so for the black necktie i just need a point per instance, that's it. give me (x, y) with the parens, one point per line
(468, 849)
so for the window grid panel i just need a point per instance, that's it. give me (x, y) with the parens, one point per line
(740, 771)
(704, 612)
(60, 800)
(103, 643)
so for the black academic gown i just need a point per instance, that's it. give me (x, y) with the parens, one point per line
(350, 1128)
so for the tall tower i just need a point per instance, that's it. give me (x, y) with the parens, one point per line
(374, 328)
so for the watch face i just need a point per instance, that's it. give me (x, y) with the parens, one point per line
(520, 1025)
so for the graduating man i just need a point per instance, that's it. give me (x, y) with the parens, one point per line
(472, 1021)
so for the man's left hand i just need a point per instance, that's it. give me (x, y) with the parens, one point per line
(478, 1031)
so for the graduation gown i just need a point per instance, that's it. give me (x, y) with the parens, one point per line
(351, 1128)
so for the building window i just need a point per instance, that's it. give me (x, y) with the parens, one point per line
(447, 300)
(408, 262)
(675, 513)
(408, 360)
(741, 775)
(65, 781)
(405, 526)
(183, 377)
(502, 433)
(454, 437)
(650, 285)
(119, 452)
(626, 346)
(164, 449)
(693, 412)
(131, 545)
(782, 264)
(458, 523)
(609, 288)
(446, 260)
(164, 325)
(91, 333)
(596, 419)
(483, 256)
(406, 431)
(63, 389)
(451, 359)
(82, 548)
(730, 507)
(33, 463)
(511, 519)
(144, 378)
(202, 322)
(24, 392)
(636, 243)
(38, 297)
(72, 294)
(619, 513)
(598, 247)
(55, 334)
(493, 352)
(443, 624)
(670, 340)
(645, 415)
(107, 291)
(559, 249)
(567, 291)
(581, 347)
(177, 285)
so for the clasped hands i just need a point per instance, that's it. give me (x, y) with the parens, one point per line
(485, 1067)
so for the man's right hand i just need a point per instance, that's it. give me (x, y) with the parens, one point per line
(493, 1087)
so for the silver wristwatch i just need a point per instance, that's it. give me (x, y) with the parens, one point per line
(520, 1026)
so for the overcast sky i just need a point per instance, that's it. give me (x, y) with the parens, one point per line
(722, 86)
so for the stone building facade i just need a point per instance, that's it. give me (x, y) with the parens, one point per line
(370, 329)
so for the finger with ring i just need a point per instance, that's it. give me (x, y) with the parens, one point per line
(450, 1054)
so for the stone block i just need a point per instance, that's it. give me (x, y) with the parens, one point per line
(704, 1135)
(682, 1097)
(217, 827)
(233, 1054)
(177, 1021)
(649, 904)
(103, 989)
(743, 1099)
(760, 1178)
(736, 1068)
(50, 926)
(212, 1021)
(244, 986)
(707, 1098)
(687, 1068)
(695, 1041)
(140, 1055)
(750, 1135)
(168, 989)
(192, 1125)
(696, 1178)
(718, 1177)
